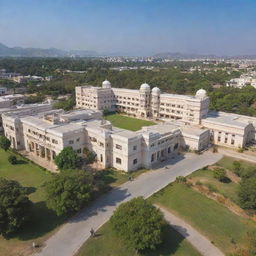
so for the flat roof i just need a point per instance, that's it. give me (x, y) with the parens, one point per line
(226, 120)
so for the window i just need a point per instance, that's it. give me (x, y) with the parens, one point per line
(135, 161)
(118, 146)
(219, 139)
(152, 157)
(101, 144)
(134, 147)
(71, 142)
(79, 151)
(176, 146)
(118, 160)
(78, 139)
(169, 150)
(101, 158)
(226, 140)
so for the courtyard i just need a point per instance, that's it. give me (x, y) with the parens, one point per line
(126, 122)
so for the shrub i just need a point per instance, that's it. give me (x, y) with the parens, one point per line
(181, 179)
(139, 223)
(14, 206)
(12, 159)
(5, 143)
(199, 183)
(247, 193)
(212, 188)
(219, 174)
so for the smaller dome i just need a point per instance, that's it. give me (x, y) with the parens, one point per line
(106, 84)
(145, 87)
(201, 93)
(156, 90)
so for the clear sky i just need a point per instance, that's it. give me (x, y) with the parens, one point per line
(224, 27)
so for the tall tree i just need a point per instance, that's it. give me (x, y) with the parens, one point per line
(14, 206)
(139, 223)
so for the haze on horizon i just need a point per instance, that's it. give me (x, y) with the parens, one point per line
(139, 27)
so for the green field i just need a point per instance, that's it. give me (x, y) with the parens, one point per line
(106, 243)
(227, 162)
(128, 123)
(225, 229)
(228, 189)
(42, 221)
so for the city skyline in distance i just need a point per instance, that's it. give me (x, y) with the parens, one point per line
(143, 27)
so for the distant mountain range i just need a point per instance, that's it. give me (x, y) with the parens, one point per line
(6, 51)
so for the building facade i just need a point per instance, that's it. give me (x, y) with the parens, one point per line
(144, 103)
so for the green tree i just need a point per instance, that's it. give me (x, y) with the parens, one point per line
(139, 223)
(68, 159)
(219, 174)
(68, 192)
(14, 206)
(247, 193)
(5, 143)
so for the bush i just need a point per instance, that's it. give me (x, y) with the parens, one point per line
(237, 168)
(247, 193)
(14, 206)
(68, 191)
(199, 183)
(5, 143)
(12, 159)
(219, 174)
(212, 188)
(181, 179)
(139, 223)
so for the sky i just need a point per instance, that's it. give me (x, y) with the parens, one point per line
(134, 27)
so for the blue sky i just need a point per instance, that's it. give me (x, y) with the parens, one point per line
(131, 26)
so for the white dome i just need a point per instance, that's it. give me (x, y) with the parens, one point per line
(106, 84)
(145, 87)
(201, 93)
(156, 90)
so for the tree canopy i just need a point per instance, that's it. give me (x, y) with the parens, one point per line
(68, 192)
(14, 206)
(67, 159)
(139, 223)
(5, 143)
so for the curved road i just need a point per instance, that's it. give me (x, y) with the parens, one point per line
(70, 237)
(200, 242)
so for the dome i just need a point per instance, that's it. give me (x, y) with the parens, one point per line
(201, 93)
(145, 87)
(106, 84)
(156, 90)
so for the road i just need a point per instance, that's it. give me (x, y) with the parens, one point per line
(200, 242)
(70, 237)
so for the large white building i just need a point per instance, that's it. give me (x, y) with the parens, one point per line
(145, 103)
(183, 122)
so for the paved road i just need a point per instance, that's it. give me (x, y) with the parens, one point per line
(200, 242)
(71, 236)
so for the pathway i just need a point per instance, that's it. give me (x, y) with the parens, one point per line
(200, 242)
(70, 237)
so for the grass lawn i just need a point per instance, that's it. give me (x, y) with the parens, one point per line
(43, 221)
(227, 162)
(106, 243)
(220, 225)
(128, 123)
(229, 189)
